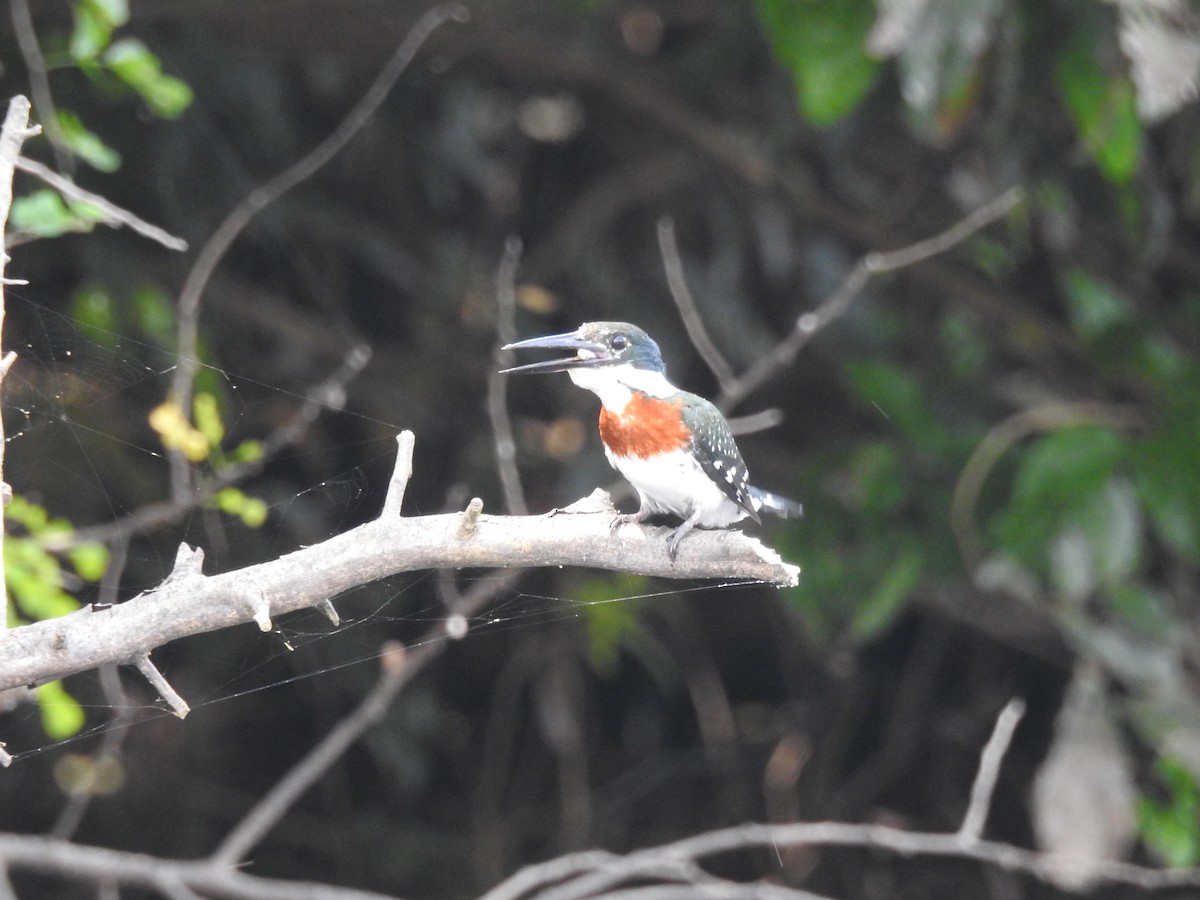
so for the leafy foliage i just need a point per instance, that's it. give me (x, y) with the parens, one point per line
(822, 43)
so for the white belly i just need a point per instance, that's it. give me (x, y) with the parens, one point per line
(674, 483)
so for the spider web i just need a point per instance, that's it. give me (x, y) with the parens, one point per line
(76, 400)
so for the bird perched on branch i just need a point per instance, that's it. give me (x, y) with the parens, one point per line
(675, 448)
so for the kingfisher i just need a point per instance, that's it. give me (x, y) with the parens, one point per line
(674, 447)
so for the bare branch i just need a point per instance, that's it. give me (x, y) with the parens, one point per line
(595, 873)
(114, 216)
(834, 307)
(39, 83)
(990, 760)
(253, 203)
(600, 877)
(578, 536)
(99, 864)
(15, 131)
(693, 322)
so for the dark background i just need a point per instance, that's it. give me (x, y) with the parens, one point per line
(570, 722)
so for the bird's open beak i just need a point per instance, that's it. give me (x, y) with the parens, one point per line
(587, 353)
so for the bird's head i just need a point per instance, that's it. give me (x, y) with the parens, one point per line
(610, 359)
(596, 345)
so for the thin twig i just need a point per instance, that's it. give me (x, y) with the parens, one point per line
(188, 316)
(693, 322)
(506, 330)
(39, 83)
(834, 307)
(990, 760)
(114, 216)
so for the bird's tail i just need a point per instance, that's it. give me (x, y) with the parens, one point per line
(776, 505)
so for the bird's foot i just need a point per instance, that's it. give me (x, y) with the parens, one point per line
(627, 519)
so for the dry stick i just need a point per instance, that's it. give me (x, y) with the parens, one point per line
(693, 322)
(15, 131)
(101, 865)
(39, 84)
(875, 263)
(590, 874)
(114, 216)
(215, 248)
(990, 760)
(506, 331)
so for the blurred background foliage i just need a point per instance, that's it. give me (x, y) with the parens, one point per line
(996, 448)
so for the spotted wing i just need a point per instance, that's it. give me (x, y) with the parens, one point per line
(714, 448)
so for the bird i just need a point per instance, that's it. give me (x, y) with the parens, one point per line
(675, 448)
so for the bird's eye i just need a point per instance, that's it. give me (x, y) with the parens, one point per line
(618, 342)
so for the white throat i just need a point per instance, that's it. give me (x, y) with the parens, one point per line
(614, 385)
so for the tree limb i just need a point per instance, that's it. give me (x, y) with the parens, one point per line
(102, 865)
(190, 603)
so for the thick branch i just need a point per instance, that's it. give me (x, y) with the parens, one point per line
(190, 603)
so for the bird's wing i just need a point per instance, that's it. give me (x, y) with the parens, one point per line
(717, 453)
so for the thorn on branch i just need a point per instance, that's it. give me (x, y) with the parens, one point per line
(178, 705)
(470, 518)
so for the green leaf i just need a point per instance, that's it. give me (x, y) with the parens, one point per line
(132, 62)
(880, 608)
(1059, 486)
(95, 313)
(154, 314)
(1166, 472)
(1095, 307)
(45, 214)
(1172, 828)
(207, 417)
(1067, 464)
(62, 716)
(35, 579)
(610, 622)
(85, 144)
(252, 511)
(1103, 108)
(89, 561)
(92, 31)
(822, 43)
(247, 451)
(895, 393)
